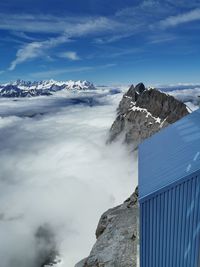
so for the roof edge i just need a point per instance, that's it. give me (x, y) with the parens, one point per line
(169, 186)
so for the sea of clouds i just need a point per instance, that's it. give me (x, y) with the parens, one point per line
(57, 172)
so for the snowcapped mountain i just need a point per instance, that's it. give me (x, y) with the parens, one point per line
(22, 88)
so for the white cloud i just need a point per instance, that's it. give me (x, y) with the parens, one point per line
(25, 53)
(56, 169)
(173, 21)
(36, 49)
(70, 55)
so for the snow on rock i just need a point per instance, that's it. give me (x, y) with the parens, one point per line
(157, 119)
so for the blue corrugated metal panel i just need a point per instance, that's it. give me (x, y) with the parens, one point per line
(170, 226)
(170, 155)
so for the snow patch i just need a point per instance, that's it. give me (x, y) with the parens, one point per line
(157, 119)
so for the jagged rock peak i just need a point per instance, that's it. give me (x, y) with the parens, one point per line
(137, 90)
(142, 112)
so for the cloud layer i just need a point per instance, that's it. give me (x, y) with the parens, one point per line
(56, 169)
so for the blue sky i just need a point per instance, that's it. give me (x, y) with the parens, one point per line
(103, 41)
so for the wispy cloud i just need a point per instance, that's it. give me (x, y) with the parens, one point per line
(176, 20)
(72, 55)
(25, 53)
(35, 50)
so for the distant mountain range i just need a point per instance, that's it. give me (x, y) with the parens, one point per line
(22, 88)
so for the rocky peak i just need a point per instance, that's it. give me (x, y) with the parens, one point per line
(134, 92)
(142, 112)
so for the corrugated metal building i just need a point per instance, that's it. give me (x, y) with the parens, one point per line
(169, 195)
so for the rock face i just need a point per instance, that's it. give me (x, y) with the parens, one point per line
(143, 112)
(116, 237)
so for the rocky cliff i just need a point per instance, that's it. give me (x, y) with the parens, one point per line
(141, 113)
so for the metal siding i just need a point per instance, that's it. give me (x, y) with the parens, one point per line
(170, 155)
(170, 226)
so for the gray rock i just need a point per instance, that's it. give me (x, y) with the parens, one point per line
(81, 263)
(117, 237)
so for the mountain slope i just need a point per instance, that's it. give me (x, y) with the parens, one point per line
(21, 88)
(140, 114)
